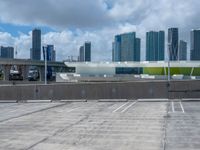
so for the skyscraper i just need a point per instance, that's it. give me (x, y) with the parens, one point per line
(81, 54)
(155, 45)
(126, 47)
(6, 52)
(87, 48)
(54, 55)
(117, 49)
(195, 45)
(113, 44)
(173, 41)
(182, 50)
(35, 51)
(161, 45)
(51, 54)
(137, 49)
(85, 52)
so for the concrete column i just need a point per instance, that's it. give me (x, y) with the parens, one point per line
(6, 71)
(25, 70)
(41, 70)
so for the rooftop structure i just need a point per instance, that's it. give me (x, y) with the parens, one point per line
(154, 68)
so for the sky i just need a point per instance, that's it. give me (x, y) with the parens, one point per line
(67, 24)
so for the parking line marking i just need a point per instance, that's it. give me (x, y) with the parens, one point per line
(72, 109)
(111, 107)
(128, 106)
(182, 107)
(173, 107)
(120, 107)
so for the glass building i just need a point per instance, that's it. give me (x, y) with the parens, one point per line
(182, 50)
(81, 54)
(51, 53)
(117, 48)
(155, 45)
(6, 52)
(85, 52)
(195, 45)
(173, 40)
(35, 51)
(126, 47)
(137, 49)
(51, 56)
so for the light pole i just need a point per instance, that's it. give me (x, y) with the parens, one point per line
(45, 64)
(168, 63)
(168, 69)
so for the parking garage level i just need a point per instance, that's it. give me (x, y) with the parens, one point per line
(101, 125)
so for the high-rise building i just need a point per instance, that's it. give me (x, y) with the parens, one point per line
(113, 44)
(182, 50)
(54, 55)
(51, 53)
(87, 47)
(35, 51)
(155, 45)
(195, 45)
(116, 53)
(6, 52)
(173, 41)
(85, 52)
(161, 45)
(81, 54)
(137, 49)
(126, 47)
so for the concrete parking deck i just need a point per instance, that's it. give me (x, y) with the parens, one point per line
(95, 125)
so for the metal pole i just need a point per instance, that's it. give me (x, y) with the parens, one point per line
(45, 72)
(168, 64)
(168, 70)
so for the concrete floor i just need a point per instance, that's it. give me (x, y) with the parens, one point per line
(133, 125)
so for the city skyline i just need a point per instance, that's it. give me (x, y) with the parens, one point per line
(153, 38)
(67, 31)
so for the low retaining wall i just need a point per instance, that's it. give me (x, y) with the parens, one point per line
(121, 90)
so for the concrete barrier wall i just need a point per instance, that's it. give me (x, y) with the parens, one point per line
(125, 90)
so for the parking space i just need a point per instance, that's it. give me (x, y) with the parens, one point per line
(93, 125)
(183, 127)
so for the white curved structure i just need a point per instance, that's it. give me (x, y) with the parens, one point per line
(109, 68)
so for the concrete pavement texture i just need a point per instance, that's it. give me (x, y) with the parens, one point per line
(96, 125)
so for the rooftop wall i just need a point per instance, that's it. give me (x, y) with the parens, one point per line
(91, 91)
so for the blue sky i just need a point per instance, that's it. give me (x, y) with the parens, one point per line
(15, 30)
(69, 23)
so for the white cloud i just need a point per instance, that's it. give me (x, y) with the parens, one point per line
(59, 13)
(6, 39)
(22, 45)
